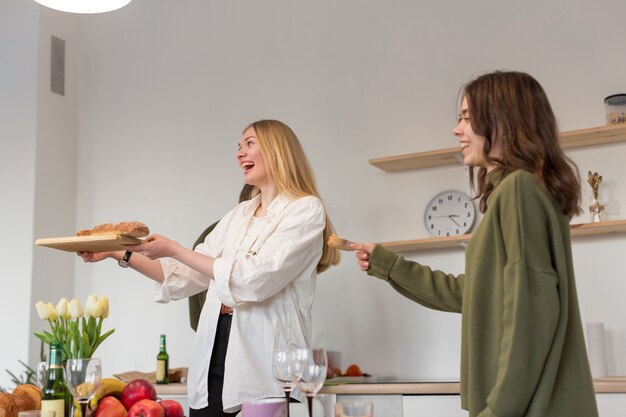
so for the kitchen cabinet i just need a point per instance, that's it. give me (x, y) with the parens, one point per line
(442, 399)
(432, 406)
(611, 405)
(413, 398)
(384, 405)
(569, 140)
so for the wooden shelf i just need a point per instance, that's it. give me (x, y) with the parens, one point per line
(577, 230)
(569, 140)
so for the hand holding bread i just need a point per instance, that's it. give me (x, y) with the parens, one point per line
(363, 252)
(156, 246)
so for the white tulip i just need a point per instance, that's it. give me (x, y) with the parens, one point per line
(52, 312)
(42, 310)
(91, 305)
(63, 308)
(76, 309)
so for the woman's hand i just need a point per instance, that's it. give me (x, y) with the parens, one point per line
(89, 257)
(155, 247)
(363, 252)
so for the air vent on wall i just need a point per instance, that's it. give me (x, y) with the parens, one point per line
(57, 66)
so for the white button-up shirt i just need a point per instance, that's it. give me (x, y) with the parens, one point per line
(270, 283)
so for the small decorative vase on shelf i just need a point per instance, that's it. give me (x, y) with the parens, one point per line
(596, 210)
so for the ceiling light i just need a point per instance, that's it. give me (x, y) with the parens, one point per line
(84, 6)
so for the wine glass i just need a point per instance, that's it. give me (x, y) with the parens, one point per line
(309, 372)
(83, 377)
(41, 374)
(354, 409)
(282, 364)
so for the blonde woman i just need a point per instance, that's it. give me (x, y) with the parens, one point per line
(259, 265)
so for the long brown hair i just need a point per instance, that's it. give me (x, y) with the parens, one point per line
(512, 110)
(288, 167)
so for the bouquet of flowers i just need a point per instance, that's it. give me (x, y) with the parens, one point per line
(78, 332)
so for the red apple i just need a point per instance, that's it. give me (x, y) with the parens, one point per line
(146, 408)
(110, 407)
(137, 390)
(172, 408)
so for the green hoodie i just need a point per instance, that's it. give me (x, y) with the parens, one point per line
(523, 351)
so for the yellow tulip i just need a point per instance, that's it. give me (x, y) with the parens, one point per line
(63, 308)
(76, 336)
(42, 310)
(91, 305)
(76, 309)
(52, 312)
(105, 301)
(99, 309)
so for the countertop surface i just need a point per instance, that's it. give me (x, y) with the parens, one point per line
(425, 387)
(391, 385)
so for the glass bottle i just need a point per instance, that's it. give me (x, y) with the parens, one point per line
(54, 395)
(163, 361)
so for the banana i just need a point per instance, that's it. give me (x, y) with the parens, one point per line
(77, 410)
(108, 386)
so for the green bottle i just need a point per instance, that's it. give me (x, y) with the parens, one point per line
(54, 395)
(163, 364)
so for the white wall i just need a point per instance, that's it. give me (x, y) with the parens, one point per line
(55, 172)
(18, 105)
(166, 88)
(38, 172)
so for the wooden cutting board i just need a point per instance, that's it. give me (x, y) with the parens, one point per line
(103, 243)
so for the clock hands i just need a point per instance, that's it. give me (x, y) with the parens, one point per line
(451, 218)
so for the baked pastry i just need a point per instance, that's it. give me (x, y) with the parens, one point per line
(335, 241)
(24, 402)
(33, 391)
(8, 408)
(135, 229)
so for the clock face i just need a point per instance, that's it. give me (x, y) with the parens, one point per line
(449, 214)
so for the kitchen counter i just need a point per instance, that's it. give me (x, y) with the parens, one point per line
(176, 388)
(408, 387)
(601, 386)
(392, 387)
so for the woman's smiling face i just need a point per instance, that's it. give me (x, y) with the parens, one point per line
(250, 159)
(472, 144)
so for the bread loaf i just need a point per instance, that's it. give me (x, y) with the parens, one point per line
(8, 408)
(30, 390)
(135, 229)
(24, 402)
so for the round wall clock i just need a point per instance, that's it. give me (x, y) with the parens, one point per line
(449, 214)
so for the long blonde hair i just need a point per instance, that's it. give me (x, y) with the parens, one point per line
(288, 167)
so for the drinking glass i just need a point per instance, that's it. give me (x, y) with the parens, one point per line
(282, 364)
(83, 377)
(41, 374)
(354, 409)
(309, 372)
(36, 413)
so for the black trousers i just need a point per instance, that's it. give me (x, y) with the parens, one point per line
(216, 372)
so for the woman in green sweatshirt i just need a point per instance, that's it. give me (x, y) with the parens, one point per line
(523, 351)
